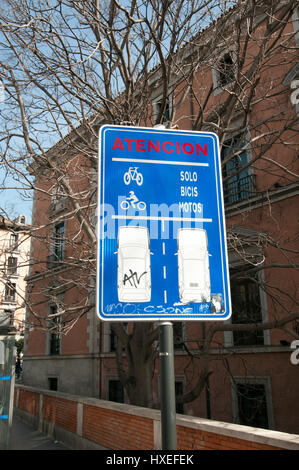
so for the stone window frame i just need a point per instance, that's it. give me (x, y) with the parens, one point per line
(263, 380)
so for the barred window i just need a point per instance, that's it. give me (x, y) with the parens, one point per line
(246, 307)
(238, 184)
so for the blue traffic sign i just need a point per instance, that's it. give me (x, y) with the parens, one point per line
(161, 229)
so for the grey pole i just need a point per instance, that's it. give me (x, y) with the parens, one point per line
(167, 382)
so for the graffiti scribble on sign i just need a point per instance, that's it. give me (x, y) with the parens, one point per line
(133, 278)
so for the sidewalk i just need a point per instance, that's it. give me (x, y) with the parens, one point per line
(24, 437)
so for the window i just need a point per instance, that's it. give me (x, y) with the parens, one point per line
(113, 337)
(53, 383)
(57, 246)
(178, 335)
(58, 242)
(13, 241)
(54, 325)
(226, 70)
(223, 72)
(12, 263)
(58, 198)
(296, 327)
(252, 405)
(238, 184)
(167, 111)
(179, 390)
(113, 341)
(246, 306)
(10, 292)
(6, 317)
(115, 391)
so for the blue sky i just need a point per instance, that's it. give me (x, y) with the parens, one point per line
(13, 201)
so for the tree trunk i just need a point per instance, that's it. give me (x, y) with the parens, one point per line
(137, 379)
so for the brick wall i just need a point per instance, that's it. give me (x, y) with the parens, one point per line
(203, 440)
(60, 412)
(88, 423)
(28, 401)
(116, 430)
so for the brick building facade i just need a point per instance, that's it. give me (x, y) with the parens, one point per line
(253, 380)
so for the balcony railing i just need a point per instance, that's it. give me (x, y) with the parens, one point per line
(239, 190)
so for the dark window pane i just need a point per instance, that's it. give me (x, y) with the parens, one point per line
(59, 241)
(252, 405)
(53, 382)
(113, 341)
(116, 391)
(179, 391)
(226, 70)
(54, 324)
(246, 305)
(166, 115)
(178, 335)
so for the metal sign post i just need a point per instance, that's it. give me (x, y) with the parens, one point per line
(162, 252)
(168, 408)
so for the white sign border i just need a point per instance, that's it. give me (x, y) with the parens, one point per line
(101, 188)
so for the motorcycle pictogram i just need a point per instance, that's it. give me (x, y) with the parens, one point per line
(132, 201)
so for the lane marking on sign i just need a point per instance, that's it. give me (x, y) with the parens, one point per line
(175, 219)
(158, 162)
(164, 272)
(165, 297)
(163, 248)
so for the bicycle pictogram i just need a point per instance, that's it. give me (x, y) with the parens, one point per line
(132, 201)
(133, 175)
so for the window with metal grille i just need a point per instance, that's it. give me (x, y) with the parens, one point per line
(246, 306)
(252, 405)
(59, 241)
(12, 264)
(54, 324)
(238, 183)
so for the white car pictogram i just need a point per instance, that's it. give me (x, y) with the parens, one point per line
(193, 266)
(133, 264)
